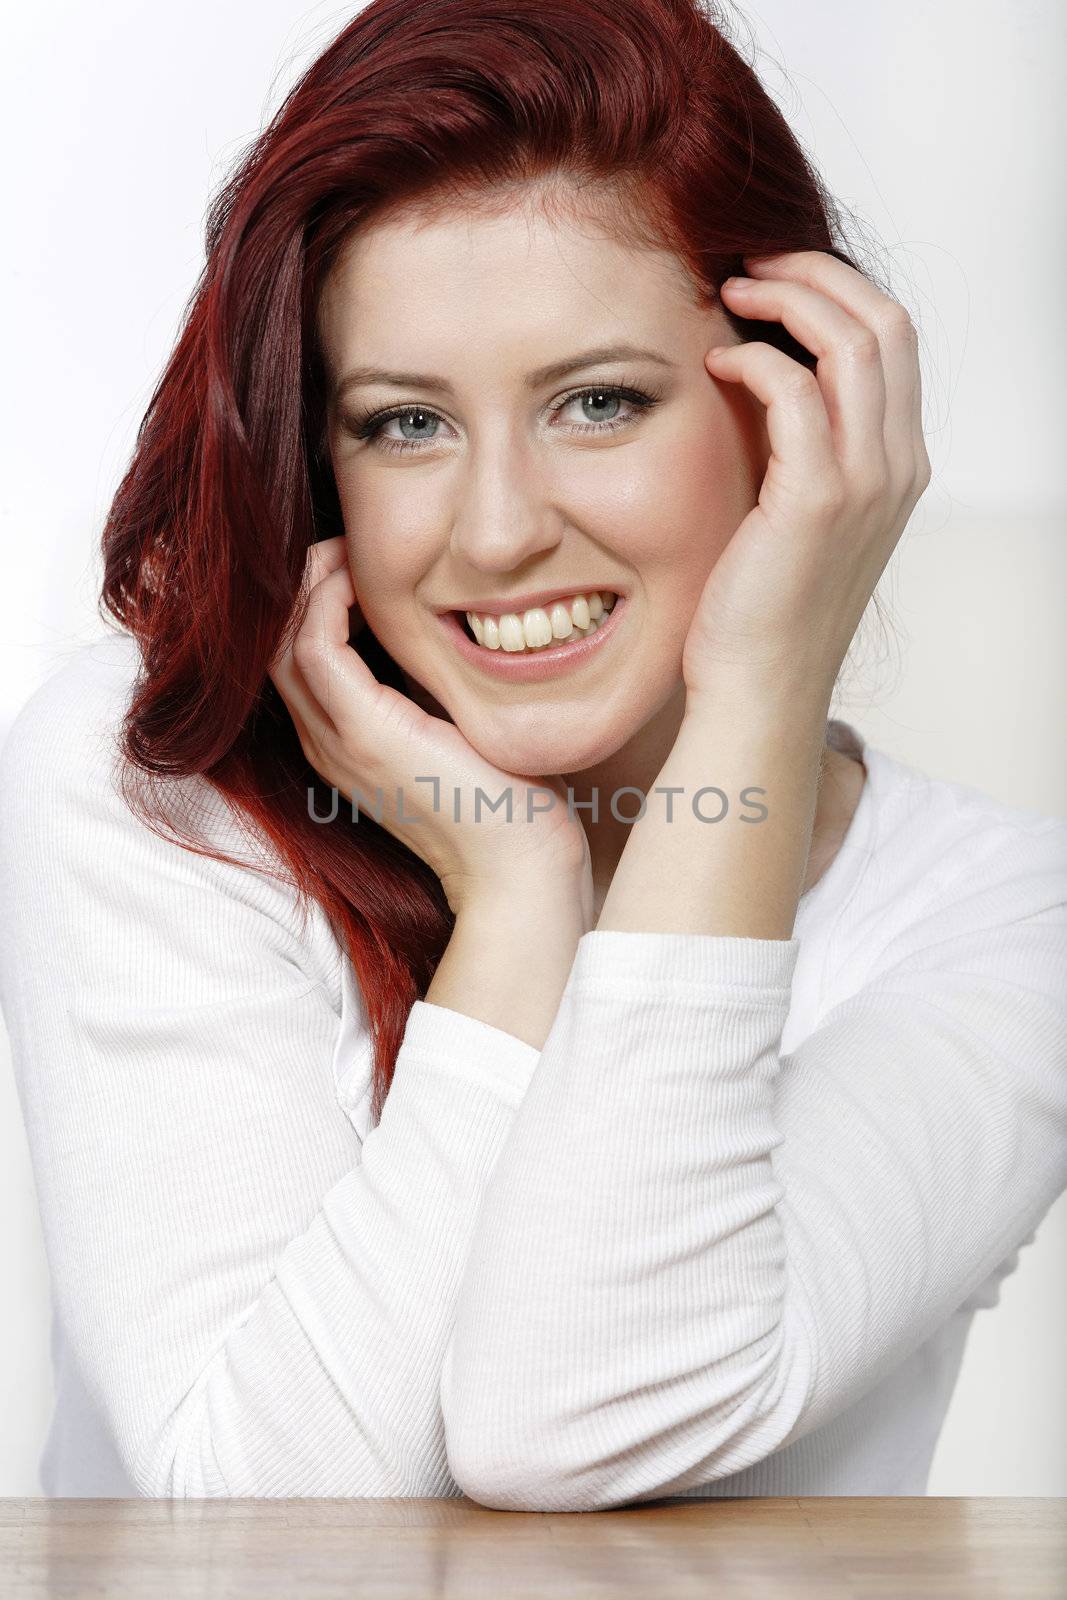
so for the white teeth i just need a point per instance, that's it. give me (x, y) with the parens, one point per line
(562, 625)
(511, 632)
(537, 628)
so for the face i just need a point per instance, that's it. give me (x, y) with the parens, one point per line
(478, 478)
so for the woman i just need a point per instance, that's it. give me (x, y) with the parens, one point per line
(663, 1135)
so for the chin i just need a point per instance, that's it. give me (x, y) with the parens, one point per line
(539, 751)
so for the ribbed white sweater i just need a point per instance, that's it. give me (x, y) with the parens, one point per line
(724, 1235)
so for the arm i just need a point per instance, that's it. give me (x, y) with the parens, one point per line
(509, 957)
(735, 877)
(258, 1304)
(695, 1250)
(651, 1300)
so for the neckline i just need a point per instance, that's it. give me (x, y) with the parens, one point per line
(841, 875)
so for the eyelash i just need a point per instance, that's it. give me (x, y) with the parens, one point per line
(369, 425)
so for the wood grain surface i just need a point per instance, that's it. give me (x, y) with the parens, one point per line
(1014, 1549)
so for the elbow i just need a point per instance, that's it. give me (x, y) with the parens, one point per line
(509, 1479)
(176, 1460)
(154, 1476)
(508, 1453)
(499, 1453)
(519, 1474)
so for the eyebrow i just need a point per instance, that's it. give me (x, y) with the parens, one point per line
(550, 374)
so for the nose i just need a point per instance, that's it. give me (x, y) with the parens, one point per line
(504, 514)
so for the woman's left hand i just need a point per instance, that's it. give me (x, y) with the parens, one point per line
(848, 463)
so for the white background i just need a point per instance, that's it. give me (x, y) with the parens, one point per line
(938, 125)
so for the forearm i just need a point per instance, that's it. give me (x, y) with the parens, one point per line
(509, 957)
(733, 877)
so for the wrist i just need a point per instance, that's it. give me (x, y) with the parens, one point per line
(509, 957)
(754, 703)
(698, 873)
(746, 728)
(537, 897)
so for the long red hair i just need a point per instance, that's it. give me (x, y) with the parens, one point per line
(230, 482)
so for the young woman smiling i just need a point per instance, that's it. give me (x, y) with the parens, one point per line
(530, 435)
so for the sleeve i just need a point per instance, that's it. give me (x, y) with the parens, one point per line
(257, 1304)
(695, 1249)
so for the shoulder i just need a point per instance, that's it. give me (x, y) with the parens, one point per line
(943, 860)
(73, 850)
(62, 766)
(955, 841)
(74, 714)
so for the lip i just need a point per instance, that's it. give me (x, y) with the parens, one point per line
(524, 602)
(520, 666)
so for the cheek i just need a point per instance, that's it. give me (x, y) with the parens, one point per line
(721, 466)
(678, 506)
(388, 546)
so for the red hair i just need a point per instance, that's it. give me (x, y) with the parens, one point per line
(204, 545)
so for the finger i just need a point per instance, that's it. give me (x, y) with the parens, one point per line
(891, 325)
(308, 717)
(333, 671)
(325, 684)
(319, 559)
(345, 718)
(323, 558)
(849, 362)
(798, 427)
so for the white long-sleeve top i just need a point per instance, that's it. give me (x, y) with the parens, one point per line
(723, 1235)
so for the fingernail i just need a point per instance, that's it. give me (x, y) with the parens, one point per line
(738, 283)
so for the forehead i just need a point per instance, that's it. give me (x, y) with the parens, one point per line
(503, 276)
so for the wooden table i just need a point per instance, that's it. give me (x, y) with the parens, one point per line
(717, 1549)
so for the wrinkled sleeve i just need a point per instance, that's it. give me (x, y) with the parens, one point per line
(257, 1303)
(695, 1249)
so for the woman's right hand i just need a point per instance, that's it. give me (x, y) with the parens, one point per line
(361, 735)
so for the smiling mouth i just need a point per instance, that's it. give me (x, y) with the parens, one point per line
(539, 628)
(536, 663)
